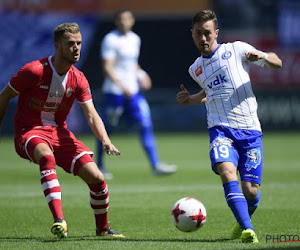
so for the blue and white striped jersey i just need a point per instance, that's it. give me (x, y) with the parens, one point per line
(224, 76)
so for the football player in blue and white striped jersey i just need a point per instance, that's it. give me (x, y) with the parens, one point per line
(222, 71)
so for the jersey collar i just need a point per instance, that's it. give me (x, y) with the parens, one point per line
(54, 70)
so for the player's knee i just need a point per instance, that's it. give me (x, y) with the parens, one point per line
(90, 173)
(97, 178)
(226, 171)
(250, 190)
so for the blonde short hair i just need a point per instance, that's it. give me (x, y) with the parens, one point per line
(61, 29)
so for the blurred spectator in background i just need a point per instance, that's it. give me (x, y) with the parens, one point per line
(124, 80)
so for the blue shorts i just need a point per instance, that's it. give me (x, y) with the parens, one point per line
(241, 147)
(136, 110)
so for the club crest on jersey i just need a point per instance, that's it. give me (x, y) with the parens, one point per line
(254, 158)
(226, 55)
(69, 92)
(198, 71)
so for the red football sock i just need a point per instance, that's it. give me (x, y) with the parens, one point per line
(51, 185)
(99, 202)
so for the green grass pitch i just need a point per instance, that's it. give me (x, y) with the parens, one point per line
(140, 204)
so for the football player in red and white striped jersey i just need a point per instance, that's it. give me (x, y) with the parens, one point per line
(47, 89)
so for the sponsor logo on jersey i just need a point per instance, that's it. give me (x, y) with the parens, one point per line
(254, 158)
(226, 55)
(198, 71)
(220, 79)
(56, 94)
(48, 106)
(69, 92)
(44, 87)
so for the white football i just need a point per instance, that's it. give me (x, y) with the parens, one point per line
(188, 214)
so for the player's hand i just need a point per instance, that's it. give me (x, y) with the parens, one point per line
(110, 149)
(144, 80)
(127, 93)
(183, 97)
(253, 56)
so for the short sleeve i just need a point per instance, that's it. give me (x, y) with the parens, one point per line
(191, 72)
(194, 70)
(25, 78)
(108, 50)
(245, 48)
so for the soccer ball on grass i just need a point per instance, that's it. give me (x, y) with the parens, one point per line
(188, 214)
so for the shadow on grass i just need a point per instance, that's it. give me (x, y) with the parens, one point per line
(95, 238)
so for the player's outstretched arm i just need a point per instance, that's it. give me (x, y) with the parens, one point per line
(272, 61)
(184, 98)
(96, 124)
(6, 94)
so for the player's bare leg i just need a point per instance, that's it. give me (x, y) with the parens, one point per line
(252, 194)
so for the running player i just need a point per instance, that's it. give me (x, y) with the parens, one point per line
(124, 78)
(47, 89)
(222, 71)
